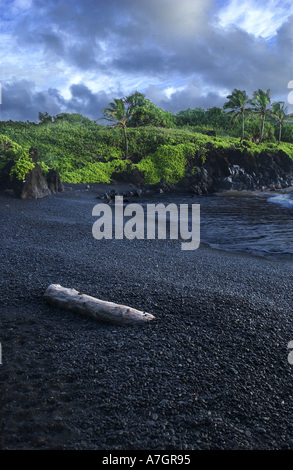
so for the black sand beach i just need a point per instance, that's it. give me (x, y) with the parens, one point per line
(210, 372)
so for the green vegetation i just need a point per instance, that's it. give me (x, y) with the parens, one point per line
(119, 113)
(168, 163)
(10, 152)
(238, 102)
(279, 112)
(261, 106)
(142, 136)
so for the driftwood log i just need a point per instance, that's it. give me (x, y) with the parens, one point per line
(71, 299)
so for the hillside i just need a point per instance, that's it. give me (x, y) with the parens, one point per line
(82, 151)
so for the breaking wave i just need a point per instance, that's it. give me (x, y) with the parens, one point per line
(285, 200)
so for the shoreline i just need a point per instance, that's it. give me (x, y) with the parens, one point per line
(100, 189)
(211, 372)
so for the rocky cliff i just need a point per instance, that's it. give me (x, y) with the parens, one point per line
(233, 169)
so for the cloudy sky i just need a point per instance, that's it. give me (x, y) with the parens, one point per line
(77, 55)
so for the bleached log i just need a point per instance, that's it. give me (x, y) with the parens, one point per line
(71, 299)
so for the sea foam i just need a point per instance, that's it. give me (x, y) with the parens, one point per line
(285, 200)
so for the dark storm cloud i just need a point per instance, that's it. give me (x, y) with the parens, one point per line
(21, 99)
(190, 96)
(134, 38)
(85, 102)
(52, 42)
(145, 41)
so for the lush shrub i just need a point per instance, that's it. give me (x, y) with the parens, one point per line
(150, 170)
(10, 151)
(90, 173)
(168, 163)
(97, 172)
(23, 165)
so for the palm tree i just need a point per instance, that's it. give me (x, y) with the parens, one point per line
(279, 112)
(237, 103)
(119, 113)
(261, 103)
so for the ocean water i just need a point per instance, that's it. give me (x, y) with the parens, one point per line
(251, 222)
(257, 223)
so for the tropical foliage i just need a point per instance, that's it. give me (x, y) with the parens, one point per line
(145, 113)
(141, 136)
(237, 103)
(18, 158)
(280, 113)
(119, 112)
(261, 106)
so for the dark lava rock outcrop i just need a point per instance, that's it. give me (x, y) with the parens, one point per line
(233, 169)
(36, 185)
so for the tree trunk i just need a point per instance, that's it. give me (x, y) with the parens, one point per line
(72, 300)
(262, 129)
(126, 143)
(280, 132)
(242, 126)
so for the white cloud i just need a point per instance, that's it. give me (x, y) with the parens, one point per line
(259, 18)
(170, 90)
